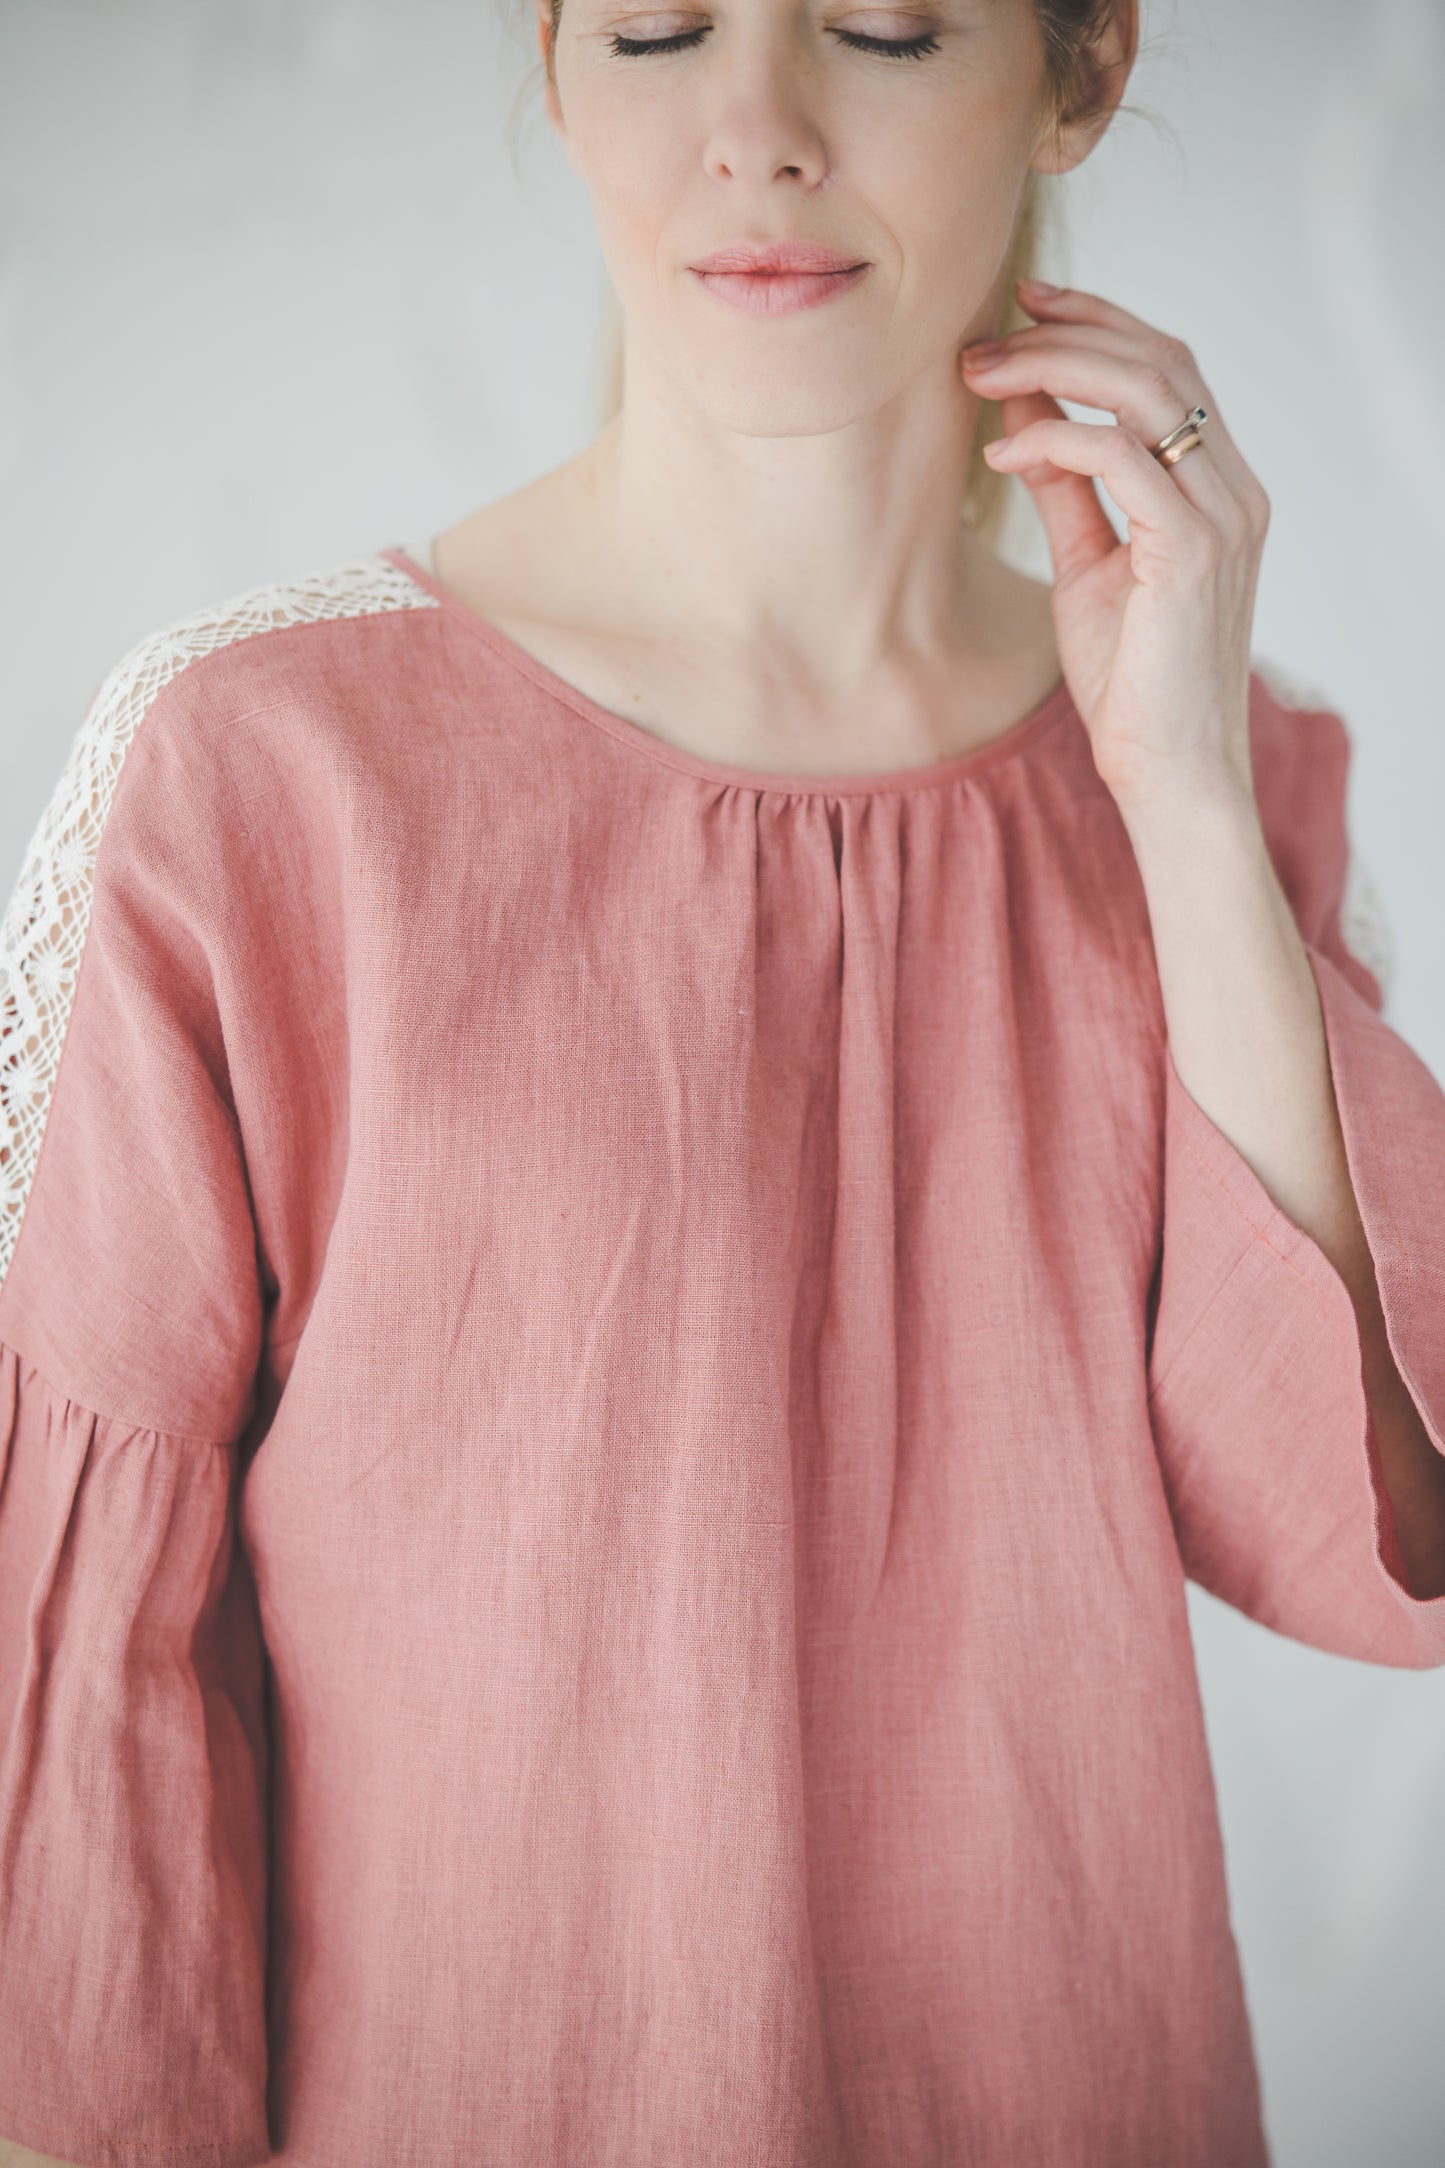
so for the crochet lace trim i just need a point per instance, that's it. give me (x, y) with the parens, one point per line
(43, 932)
(1366, 928)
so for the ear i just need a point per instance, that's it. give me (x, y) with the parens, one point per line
(1109, 62)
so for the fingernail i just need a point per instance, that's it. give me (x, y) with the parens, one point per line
(1040, 286)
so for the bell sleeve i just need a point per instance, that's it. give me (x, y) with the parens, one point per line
(1255, 1367)
(133, 1764)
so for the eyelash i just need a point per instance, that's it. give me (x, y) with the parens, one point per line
(894, 49)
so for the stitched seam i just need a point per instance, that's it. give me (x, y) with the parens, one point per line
(1244, 1213)
(98, 1415)
(1320, 1294)
(45, 929)
(1401, 1251)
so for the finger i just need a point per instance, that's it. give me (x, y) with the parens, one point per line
(1126, 385)
(1091, 321)
(1168, 529)
(1074, 515)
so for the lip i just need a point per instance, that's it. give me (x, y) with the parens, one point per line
(776, 279)
(778, 293)
(775, 257)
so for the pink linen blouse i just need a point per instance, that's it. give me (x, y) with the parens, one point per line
(611, 1368)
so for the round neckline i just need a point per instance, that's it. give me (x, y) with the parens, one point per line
(927, 775)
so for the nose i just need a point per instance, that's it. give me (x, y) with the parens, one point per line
(762, 127)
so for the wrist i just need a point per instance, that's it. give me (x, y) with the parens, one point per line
(1210, 811)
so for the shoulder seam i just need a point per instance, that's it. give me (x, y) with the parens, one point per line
(43, 933)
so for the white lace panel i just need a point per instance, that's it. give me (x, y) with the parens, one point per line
(1365, 926)
(1363, 921)
(43, 932)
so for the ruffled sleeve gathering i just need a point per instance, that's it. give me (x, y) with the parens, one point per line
(771, 1391)
(1256, 1386)
(132, 1867)
(133, 1762)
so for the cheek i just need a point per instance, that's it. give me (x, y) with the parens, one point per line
(633, 157)
(952, 192)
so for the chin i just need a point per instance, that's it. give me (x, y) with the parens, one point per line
(771, 402)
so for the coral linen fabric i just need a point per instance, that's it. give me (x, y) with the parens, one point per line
(610, 1372)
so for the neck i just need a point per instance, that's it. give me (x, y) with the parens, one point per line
(827, 559)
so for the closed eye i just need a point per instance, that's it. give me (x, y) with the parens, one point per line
(901, 48)
(890, 48)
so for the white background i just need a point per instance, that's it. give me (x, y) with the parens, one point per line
(276, 290)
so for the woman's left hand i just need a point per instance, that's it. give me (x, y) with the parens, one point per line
(1154, 633)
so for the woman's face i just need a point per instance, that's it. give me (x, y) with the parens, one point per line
(791, 120)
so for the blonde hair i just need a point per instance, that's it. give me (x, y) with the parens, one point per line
(1038, 246)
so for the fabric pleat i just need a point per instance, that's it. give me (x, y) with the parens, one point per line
(613, 1371)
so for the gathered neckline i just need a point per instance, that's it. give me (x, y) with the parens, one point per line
(1056, 705)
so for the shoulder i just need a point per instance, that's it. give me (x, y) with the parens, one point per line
(195, 787)
(199, 674)
(179, 727)
(177, 757)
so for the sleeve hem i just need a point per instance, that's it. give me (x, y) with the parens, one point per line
(1265, 1224)
(1264, 1221)
(1410, 1274)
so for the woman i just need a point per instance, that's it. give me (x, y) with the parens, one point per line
(663, 1179)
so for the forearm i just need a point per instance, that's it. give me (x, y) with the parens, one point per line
(1247, 1037)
